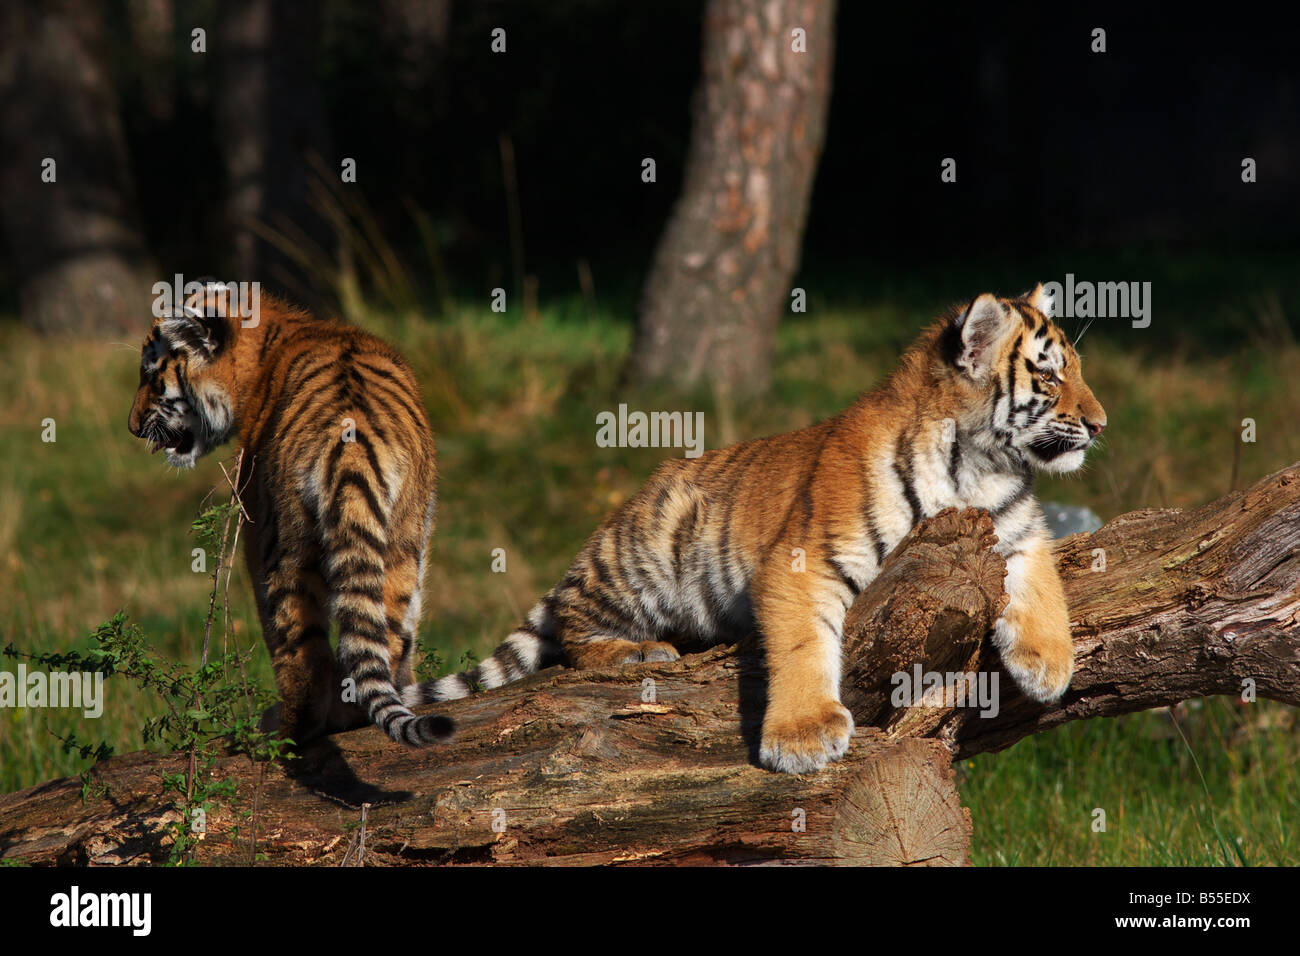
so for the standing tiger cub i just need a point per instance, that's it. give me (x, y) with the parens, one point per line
(704, 550)
(337, 478)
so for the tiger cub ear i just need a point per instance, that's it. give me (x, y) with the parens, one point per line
(981, 327)
(1040, 300)
(200, 327)
(212, 300)
(199, 335)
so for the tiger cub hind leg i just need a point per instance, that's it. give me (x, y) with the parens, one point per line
(597, 652)
(296, 630)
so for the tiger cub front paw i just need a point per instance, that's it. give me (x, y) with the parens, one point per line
(806, 740)
(1040, 663)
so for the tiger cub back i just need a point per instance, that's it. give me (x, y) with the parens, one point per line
(338, 478)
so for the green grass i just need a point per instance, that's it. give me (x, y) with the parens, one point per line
(1035, 803)
(91, 523)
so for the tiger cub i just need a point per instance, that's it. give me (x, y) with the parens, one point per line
(703, 551)
(337, 478)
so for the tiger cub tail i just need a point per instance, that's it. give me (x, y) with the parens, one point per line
(529, 648)
(354, 563)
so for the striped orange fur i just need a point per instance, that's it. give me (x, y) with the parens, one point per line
(782, 533)
(338, 474)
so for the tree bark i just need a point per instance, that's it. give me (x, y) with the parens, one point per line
(721, 273)
(76, 243)
(270, 119)
(656, 763)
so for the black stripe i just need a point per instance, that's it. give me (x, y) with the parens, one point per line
(275, 597)
(332, 460)
(354, 479)
(302, 386)
(357, 565)
(1020, 494)
(806, 506)
(904, 473)
(370, 593)
(1039, 412)
(844, 576)
(349, 527)
(356, 625)
(803, 499)
(606, 612)
(685, 528)
(511, 663)
(713, 603)
(603, 571)
(361, 361)
(364, 442)
(367, 665)
(404, 399)
(873, 531)
(997, 397)
(268, 340)
(1011, 368)
(302, 356)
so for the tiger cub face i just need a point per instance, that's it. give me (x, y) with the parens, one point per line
(182, 405)
(1030, 380)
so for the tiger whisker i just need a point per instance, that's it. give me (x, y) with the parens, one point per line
(1079, 338)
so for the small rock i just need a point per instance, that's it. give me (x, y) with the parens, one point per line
(1065, 520)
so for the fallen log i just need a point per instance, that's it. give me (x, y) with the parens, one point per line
(657, 763)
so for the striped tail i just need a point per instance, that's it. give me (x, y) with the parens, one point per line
(527, 650)
(355, 544)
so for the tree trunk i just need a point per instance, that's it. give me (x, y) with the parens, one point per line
(270, 120)
(721, 274)
(656, 763)
(76, 244)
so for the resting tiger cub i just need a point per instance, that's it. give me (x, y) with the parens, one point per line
(338, 481)
(704, 550)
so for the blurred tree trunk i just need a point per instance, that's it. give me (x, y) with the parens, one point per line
(152, 26)
(75, 242)
(721, 274)
(270, 118)
(414, 36)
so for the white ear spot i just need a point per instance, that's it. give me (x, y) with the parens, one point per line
(1041, 300)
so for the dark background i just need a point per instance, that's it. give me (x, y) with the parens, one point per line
(1136, 150)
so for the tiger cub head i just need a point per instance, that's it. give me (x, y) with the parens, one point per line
(1026, 380)
(183, 403)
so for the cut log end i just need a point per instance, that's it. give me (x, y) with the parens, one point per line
(902, 809)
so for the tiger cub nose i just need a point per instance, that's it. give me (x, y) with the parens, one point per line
(1094, 428)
